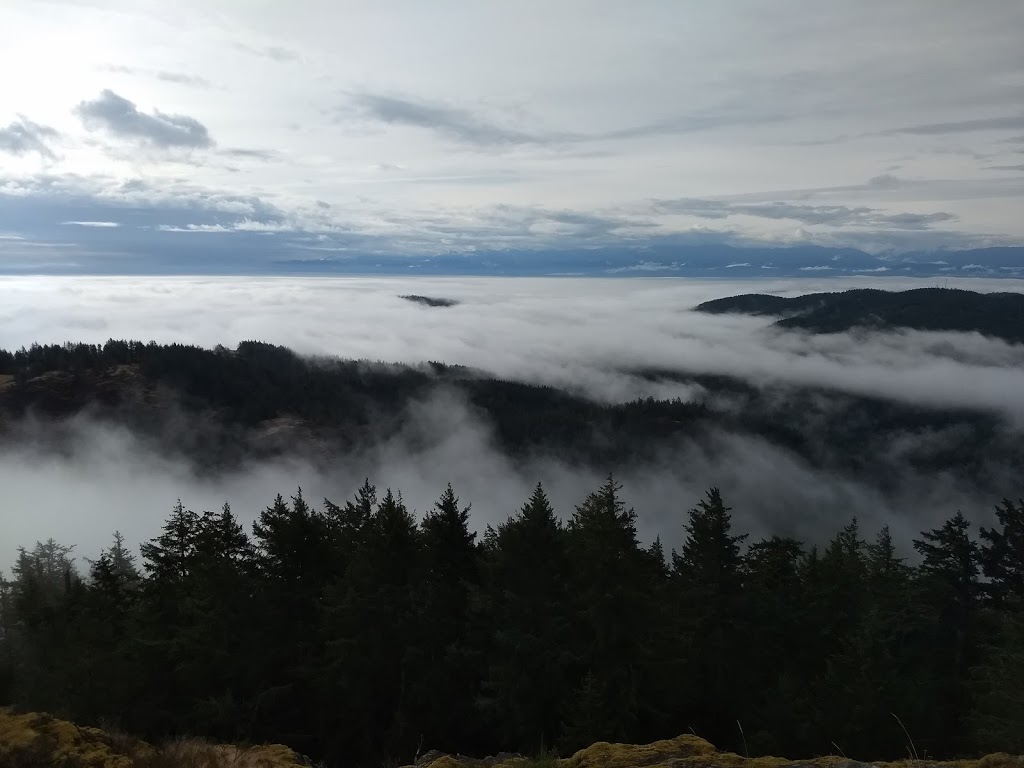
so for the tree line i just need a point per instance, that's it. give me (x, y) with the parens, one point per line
(360, 636)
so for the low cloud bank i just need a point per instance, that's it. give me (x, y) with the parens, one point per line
(584, 335)
(590, 336)
(109, 479)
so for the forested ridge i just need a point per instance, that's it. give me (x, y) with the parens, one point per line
(338, 404)
(1000, 315)
(357, 635)
(261, 399)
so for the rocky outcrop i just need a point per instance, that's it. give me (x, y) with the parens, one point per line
(41, 741)
(36, 740)
(692, 752)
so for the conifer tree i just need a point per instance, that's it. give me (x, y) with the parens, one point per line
(774, 603)
(217, 641)
(708, 577)
(44, 596)
(448, 659)
(527, 583)
(348, 523)
(612, 607)
(949, 591)
(370, 627)
(295, 566)
(1002, 553)
(168, 559)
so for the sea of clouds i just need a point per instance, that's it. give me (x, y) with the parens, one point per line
(587, 335)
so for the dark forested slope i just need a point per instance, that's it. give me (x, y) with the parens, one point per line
(260, 400)
(1000, 315)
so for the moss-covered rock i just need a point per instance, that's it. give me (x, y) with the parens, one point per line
(660, 753)
(692, 752)
(35, 740)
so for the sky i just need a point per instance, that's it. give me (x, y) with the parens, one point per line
(248, 135)
(590, 336)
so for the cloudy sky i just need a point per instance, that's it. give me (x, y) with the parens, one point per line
(137, 135)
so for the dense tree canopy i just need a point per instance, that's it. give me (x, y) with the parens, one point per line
(361, 636)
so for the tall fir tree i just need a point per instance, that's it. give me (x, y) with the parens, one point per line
(370, 627)
(527, 581)
(1002, 553)
(448, 656)
(612, 607)
(949, 591)
(708, 577)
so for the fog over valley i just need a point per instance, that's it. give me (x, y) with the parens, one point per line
(602, 340)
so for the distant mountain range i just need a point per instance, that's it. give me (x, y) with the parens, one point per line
(713, 261)
(1000, 315)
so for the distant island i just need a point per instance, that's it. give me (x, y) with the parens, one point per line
(1000, 315)
(429, 301)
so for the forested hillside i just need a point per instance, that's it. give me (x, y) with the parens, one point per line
(260, 399)
(1000, 315)
(358, 636)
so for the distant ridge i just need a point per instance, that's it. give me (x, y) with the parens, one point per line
(429, 301)
(1000, 315)
(678, 260)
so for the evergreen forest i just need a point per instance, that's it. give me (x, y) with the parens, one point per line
(361, 636)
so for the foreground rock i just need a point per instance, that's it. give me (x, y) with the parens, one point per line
(40, 741)
(36, 740)
(692, 752)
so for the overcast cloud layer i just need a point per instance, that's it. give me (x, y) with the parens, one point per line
(586, 335)
(231, 136)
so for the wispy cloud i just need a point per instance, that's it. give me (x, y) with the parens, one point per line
(475, 128)
(167, 76)
(456, 123)
(831, 215)
(94, 224)
(274, 52)
(251, 154)
(22, 136)
(121, 118)
(1004, 123)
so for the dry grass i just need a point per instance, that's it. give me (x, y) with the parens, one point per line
(192, 753)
